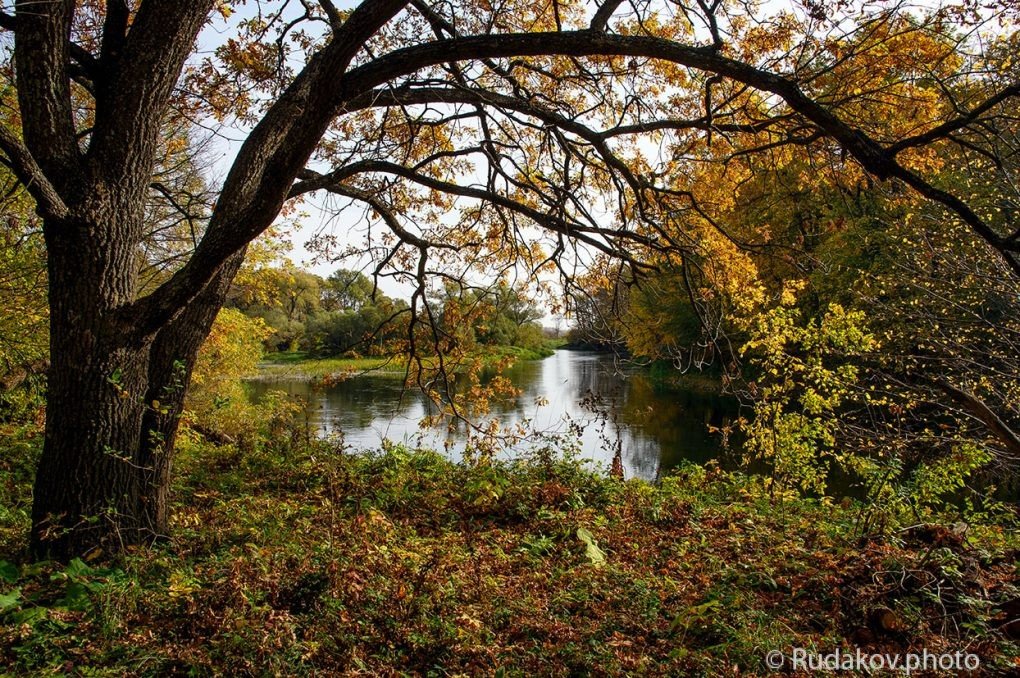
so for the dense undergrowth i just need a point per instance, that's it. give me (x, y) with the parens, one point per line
(300, 558)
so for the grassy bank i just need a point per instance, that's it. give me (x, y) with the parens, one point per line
(298, 559)
(520, 353)
(301, 364)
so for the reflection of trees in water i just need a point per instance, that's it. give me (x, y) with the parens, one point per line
(357, 403)
(600, 376)
(628, 422)
(642, 457)
(679, 420)
(654, 428)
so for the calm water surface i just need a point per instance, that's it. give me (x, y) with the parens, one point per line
(654, 428)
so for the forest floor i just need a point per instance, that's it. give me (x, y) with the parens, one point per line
(301, 558)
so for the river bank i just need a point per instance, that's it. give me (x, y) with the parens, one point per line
(300, 364)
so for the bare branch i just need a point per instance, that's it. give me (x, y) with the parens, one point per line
(270, 158)
(986, 416)
(332, 13)
(950, 126)
(140, 71)
(869, 153)
(278, 148)
(552, 222)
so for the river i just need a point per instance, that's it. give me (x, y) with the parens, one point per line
(654, 428)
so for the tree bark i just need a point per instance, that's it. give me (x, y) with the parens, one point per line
(113, 406)
(103, 476)
(88, 480)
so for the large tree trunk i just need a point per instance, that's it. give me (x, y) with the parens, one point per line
(113, 407)
(120, 364)
(88, 482)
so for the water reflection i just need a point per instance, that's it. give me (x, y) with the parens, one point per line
(616, 408)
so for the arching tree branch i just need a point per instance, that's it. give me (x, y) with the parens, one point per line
(277, 149)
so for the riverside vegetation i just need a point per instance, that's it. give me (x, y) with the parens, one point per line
(291, 555)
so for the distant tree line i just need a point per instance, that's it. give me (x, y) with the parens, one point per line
(344, 314)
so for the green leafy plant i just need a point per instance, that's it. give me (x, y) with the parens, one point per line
(807, 373)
